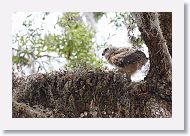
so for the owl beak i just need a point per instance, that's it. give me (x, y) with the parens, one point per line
(103, 53)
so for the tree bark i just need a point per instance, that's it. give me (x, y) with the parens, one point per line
(165, 19)
(159, 78)
(160, 59)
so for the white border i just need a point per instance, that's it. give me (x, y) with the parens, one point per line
(174, 123)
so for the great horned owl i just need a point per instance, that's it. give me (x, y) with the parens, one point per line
(127, 60)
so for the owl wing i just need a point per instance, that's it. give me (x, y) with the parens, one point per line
(124, 51)
(122, 60)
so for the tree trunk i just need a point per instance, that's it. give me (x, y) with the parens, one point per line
(165, 19)
(100, 93)
(159, 78)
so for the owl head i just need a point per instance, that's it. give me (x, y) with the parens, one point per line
(107, 50)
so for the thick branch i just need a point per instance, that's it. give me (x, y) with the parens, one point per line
(165, 19)
(160, 59)
(86, 94)
(21, 110)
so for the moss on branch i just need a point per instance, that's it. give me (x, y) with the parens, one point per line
(83, 93)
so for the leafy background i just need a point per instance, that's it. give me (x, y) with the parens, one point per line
(45, 41)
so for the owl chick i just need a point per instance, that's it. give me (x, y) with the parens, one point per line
(127, 60)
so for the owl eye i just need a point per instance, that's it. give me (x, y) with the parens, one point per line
(105, 50)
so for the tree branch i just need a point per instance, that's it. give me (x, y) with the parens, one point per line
(84, 93)
(165, 19)
(160, 59)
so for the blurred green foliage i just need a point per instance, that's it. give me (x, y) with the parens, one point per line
(74, 43)
(77, 40)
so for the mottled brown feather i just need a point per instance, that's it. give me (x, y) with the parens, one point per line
(127, 60)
